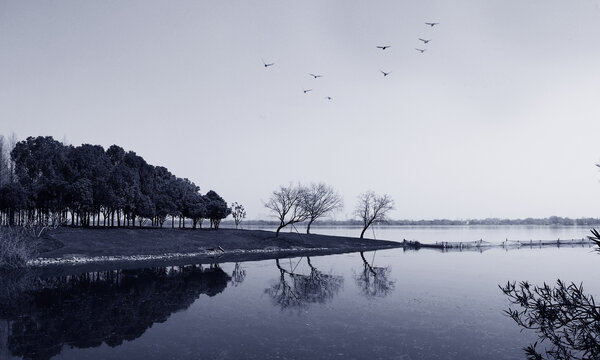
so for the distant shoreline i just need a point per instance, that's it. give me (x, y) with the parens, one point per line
(551, 221)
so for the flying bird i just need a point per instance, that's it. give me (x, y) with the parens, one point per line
(307, 90)
(328, 98)
(431, 24)
(315, 76)
(267, 65)
(425, 41)
(385, 73)
(421, 50)
(383, 47)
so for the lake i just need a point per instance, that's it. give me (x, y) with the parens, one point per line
(390, 304)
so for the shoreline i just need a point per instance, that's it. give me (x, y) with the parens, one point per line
(90, 249)
(104, 248)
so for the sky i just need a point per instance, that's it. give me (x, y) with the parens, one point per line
(499, 117)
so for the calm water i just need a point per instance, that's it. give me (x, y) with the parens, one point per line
(382, 305)
(432, 234)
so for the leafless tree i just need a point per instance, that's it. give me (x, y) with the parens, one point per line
(238, 212)
(374, 281)
(372, 208)
(299, 290)
(319, 200)
(286, 204)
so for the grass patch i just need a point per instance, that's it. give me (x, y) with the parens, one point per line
(17, 246)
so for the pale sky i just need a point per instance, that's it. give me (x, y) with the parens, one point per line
(500, 117)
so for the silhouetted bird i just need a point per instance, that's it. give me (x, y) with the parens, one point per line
(431, 24)
(385, 73)
(421, 50)
(307, 90)
(328, 98)
(315, 76)
(383, 47)
(267, 65)
(425, 41)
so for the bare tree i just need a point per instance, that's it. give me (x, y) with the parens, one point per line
(294, 290)
(286, 204)
(372, 208)
(238, 212)
(319, 200)
(374, 281)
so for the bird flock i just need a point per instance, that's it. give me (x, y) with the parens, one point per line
(381, 47)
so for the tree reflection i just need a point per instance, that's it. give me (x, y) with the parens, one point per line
(374, 281)
(563, 315)
(294, 290)
(238, 275)
(90, 309)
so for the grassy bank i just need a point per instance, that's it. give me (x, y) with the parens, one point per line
(152, 246)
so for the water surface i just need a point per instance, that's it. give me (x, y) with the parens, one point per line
(390, 304)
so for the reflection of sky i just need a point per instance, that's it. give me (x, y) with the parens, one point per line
(444, 305)
(498, 118)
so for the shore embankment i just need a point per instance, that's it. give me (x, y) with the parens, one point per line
(128, 247)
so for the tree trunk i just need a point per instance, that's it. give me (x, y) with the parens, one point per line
(308, 226)
(363, 231)
(277, 232)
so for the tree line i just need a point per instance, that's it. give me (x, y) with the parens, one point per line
(44, 181)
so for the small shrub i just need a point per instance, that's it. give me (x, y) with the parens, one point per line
(16, 247)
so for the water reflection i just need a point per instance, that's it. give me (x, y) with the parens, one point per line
(238, 275)
(374, 281)
(294, 290)
(86, 310)
(564, 317)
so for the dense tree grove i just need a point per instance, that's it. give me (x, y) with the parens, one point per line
(45, 182)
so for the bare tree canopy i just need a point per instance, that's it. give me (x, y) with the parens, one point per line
(319, 200)
(372, 208)
(286, 204)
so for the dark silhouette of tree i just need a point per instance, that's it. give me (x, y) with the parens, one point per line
(39, 168)
(564, 316)
(90, 309)
(216, 209)
(374, 281)
(13, 200)
(46, 182)
(238, 212)
(319, 200)
(372, 208)
(163, 195)
(286, 205)
(195, 205)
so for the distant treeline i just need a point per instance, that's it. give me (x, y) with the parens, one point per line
(553, 220)
(43, 181)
